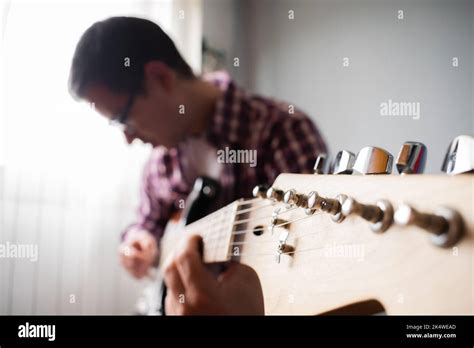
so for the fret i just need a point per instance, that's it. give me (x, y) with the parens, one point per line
(215, 229)
(225, 238)
(217, 243)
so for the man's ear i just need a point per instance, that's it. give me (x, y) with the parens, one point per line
(159, 75)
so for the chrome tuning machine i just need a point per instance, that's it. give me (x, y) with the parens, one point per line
(373, 160)
(320, 164)
(343, 162)
(460, 156)
(412, 158)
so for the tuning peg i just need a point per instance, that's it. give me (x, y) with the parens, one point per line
(275, 194)
(373, 160)
(460, 156)
(412, 158)
(291, 197)
(260, 191)
(380, 215)
(320, 163)
(446, 225)
(343, 162)
(313, 201)
(316, 202)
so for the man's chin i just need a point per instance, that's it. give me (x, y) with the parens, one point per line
(149, 142)
(154, 143)
(145, 142)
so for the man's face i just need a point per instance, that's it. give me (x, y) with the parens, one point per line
(153, 115)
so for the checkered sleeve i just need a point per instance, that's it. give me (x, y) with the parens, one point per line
(153, 212)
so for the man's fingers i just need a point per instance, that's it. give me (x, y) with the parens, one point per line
(134, 252)
(145, 244)
(133, 261)
(191, 267)
(173, 282)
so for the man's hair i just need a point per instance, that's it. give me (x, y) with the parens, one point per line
(105, 49)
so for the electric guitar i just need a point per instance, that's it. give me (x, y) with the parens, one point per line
(349, 244)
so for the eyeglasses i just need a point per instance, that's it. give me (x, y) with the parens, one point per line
(121, 120)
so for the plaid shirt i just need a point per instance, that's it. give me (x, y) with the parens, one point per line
(285, 140)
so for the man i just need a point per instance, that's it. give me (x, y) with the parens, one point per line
(132, 72)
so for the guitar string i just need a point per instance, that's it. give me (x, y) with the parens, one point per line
(223, 210)
(236, 204)
(238, 222)
(216, 228)
(204, 223)
(293, 238)
(231, 255)
(263, 229)
(272, 241)
(273, 254)
(240, 212)
(246, 201)
(208, 218)
(230, 252)
(250, 201)
(294, 251)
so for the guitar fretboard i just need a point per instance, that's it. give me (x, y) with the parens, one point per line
(216, 230)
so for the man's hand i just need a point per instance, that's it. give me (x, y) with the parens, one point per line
(138, 252)
(194, 290)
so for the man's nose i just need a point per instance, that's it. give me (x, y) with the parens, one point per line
(129, 136)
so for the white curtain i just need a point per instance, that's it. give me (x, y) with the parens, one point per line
(70, 183)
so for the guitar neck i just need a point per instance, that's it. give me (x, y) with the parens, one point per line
(216, 230)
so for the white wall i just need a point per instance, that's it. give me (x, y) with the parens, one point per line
(220, 25)
(409, 60)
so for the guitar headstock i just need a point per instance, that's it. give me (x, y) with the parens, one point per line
(404, 241)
